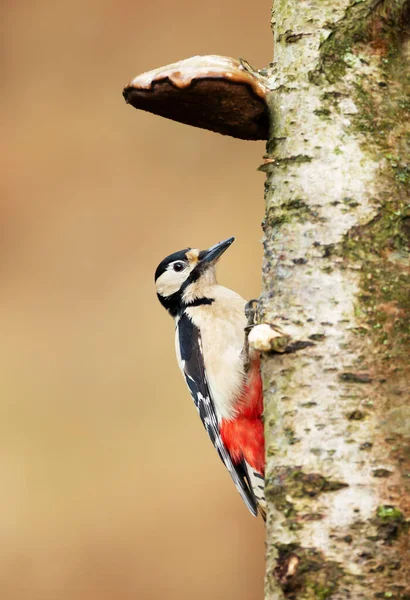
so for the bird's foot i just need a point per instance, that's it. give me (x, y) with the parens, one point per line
(251, 313)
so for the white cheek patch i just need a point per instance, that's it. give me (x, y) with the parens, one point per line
(170, 281)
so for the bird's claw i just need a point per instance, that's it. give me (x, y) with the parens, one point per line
(251, 313)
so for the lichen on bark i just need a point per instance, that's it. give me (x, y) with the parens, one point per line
(337, 267)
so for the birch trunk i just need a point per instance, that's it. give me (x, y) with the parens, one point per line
(336, 274)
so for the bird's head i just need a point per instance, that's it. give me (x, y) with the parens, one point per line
(187, 276)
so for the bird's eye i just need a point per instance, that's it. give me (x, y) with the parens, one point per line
(179, 266)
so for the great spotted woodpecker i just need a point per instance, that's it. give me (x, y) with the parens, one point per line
(222, 373)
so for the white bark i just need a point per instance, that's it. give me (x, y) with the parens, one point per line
(336, 272)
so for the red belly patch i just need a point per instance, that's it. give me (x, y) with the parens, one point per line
(244, 435)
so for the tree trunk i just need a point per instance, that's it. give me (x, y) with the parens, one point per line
(336, 275)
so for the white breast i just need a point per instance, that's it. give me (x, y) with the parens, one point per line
(222, 331)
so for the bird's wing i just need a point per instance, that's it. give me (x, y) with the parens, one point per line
(193, 367)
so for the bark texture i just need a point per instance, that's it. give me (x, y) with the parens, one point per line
(336, 276)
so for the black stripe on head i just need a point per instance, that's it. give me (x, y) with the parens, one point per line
(175, 305)
(172, 303)
(199, 302)
(162, 267)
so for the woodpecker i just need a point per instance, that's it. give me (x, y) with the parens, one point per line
(221, 372)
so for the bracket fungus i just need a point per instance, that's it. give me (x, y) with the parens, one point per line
(212, 92)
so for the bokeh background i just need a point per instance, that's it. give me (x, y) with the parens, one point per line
(109, 487)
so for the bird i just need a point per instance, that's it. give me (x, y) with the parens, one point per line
(221, 371)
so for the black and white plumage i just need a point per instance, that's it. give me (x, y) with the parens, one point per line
(193, 368)
(210, 347)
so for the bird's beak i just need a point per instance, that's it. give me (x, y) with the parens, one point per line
(214, 252)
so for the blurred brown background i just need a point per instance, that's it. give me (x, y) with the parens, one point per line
(109, 486)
